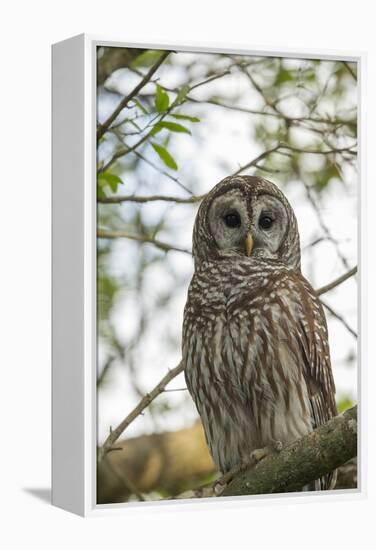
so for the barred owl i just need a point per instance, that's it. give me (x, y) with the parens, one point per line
(255, 340)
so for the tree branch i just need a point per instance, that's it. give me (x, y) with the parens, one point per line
(321, 221)
(102, 128)
(151, 198)
(349, 69)
(174, 463)
(145, 402)
(162, 171)
(348, 150)
(257, 159)
(104, 234)
(337, 281)
(305, 460)
(340, 319)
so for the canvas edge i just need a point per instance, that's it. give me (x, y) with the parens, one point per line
(68, 383)
(90, 508)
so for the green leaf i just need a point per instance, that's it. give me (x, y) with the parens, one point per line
(110, 180)
(165, 156)
(156, 128)
(147, 58)
(345, 403)
(186, 117)
(323, 177)
(173, 127)
(310, 77)
(181, 95)
(100, 192)
(162, 100)
(283, 76)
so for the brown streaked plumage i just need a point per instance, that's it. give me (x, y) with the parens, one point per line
(255, 341)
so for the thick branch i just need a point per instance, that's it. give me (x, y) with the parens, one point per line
(305, 460)
(170, 462)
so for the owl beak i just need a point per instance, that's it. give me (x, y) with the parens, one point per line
(248, 244)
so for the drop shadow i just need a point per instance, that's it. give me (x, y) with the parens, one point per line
(41, 493)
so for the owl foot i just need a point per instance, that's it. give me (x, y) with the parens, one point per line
(259, 454)
(254, 458)
(221, 483)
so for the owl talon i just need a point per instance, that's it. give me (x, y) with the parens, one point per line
(256, 456)
(219, 487)
(221, 483)
(259, 454)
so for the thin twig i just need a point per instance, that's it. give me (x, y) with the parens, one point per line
(162, 171)
(145, 402)
(314, 120)
(324, 227)
(340, 319)
(151, 198)
(337, 281)
(126, 150)
(103, 375)
(123, 103)
(256, 160)
(210, 79)
(348, 67)
(153, 165)
(104, 234)
(348, 150)
(314, 243)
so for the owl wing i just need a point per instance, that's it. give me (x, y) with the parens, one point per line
(317, 369)
(291, 344)
(316, 364)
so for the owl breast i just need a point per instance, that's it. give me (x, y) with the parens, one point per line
(243, 360)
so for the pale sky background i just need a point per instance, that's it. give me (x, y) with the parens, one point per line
(219, 144)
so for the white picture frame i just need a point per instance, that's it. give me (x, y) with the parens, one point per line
(74, 277)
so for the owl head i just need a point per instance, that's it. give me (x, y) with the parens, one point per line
(247, 216)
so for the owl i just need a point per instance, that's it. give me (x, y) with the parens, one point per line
(255, 339)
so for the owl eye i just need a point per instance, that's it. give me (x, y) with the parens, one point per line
(265, 222)
(232, 219)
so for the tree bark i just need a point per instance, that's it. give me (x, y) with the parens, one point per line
(308, 458)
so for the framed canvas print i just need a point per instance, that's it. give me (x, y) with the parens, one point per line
(206, 304)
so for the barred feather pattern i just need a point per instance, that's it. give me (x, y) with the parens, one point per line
(256, 353)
